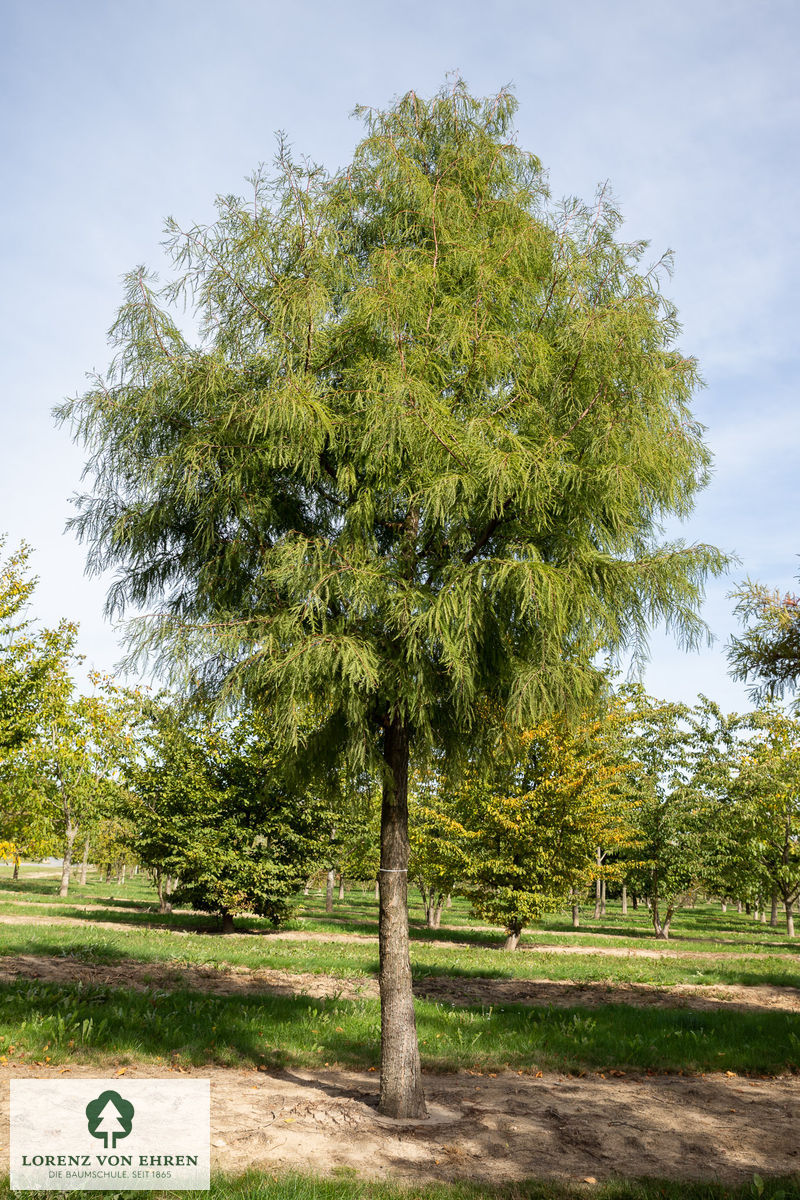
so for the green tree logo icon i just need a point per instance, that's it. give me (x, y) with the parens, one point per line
(109, 1116)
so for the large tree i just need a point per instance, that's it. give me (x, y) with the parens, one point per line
(415, 456)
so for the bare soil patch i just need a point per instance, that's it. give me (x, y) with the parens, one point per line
(238, 980)
(490, 1129)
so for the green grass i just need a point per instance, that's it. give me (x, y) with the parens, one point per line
(266, 1186)
(701, 930)
(68, 1023)
(358, 958)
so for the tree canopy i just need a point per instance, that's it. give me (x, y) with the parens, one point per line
(415, 460)
(767, 654)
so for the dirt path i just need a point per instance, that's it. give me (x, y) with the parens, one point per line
(489, 1129)
(452, 990)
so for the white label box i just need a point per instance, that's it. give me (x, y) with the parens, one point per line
(110, 1134)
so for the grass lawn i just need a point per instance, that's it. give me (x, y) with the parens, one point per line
(258, 1186)
(51, 1023)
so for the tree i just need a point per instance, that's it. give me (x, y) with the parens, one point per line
(417, 456)
(211, 807)
(766, 801)
(676, 832)
(517, 837)
(768, 653)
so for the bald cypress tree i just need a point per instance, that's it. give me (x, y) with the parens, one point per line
(410, 467)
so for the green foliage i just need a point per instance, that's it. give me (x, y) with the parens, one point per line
(766, 795)
(211, 805)
(768, 652)
(420, 452)
(519, 834)
(674, 826)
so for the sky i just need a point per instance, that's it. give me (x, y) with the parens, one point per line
(118, 115)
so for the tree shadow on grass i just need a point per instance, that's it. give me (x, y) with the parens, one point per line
(283, 1029)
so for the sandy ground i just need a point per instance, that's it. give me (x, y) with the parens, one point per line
(472, 991)
(491, 1128)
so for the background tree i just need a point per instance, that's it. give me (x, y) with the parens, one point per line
(674, 818)
(768, 652)
(766, 809)
(520, 835)
(418, 455)
(211, 807)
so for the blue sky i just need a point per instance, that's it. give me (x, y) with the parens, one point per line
(118, 115)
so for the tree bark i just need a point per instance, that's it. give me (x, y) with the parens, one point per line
(227, 922)
(401, 1092)
(433, 910)
(773, 916)
(85, 862)
(602, 898)
(724, 906)
(597, 889)
(789, 918)
(341, 887)
(512, 939)
(329, 891)
(72, 833)
(15, 873)
(164, 905)
(624, 900)
(576, 916)
(449, 901)
(377, 889)
(635, 901)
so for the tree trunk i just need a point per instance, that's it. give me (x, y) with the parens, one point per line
(329, 891)
(724, 906)
(662, 930)
(512, 938)
(449, 901)
(773, 916)
(72, 833)
(576, 916)
(341, 887)
(738, 906)
(624, 900)
(108, 872)
(433, 910)
(227, 922)
(377, 889)
(15, 873)
(635, 901)
(747, 907)
(164, 905)
(401, 1092)
(789, 918)
(597, 888)
(602, 898)
(85, 862)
